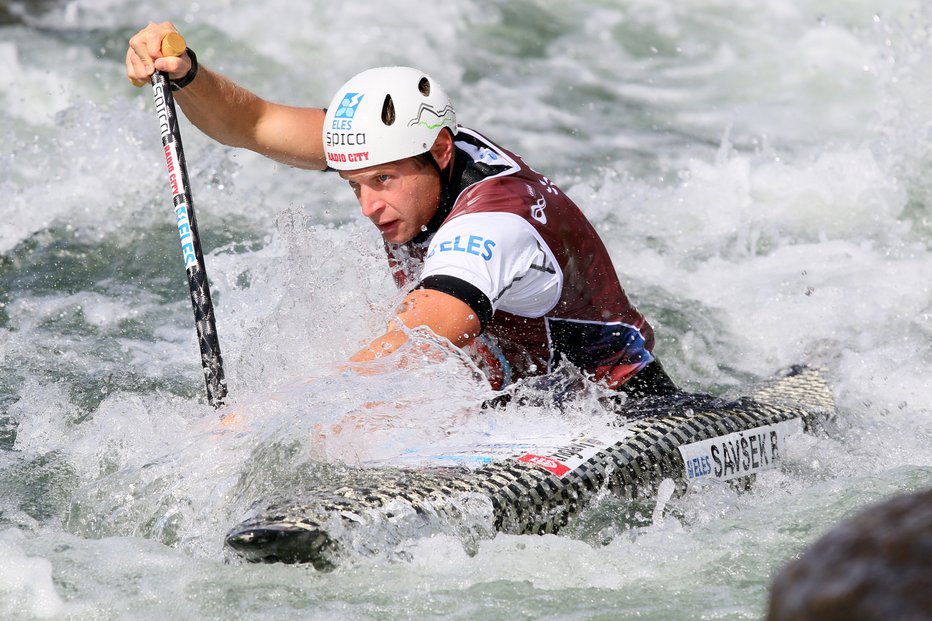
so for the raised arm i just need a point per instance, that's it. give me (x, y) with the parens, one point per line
(228, 112)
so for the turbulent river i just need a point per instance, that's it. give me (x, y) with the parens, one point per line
(760, 170)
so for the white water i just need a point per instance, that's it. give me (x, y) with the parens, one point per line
(759, 171)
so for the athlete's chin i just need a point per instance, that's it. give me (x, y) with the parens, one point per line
(395, 233)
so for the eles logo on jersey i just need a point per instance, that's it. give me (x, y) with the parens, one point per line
(347, 108)
(470, 244)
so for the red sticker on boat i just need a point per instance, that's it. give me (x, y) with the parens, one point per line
(547, 463)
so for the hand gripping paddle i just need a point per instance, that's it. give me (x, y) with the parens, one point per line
(174, 45)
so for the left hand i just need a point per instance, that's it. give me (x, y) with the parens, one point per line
(144, 56)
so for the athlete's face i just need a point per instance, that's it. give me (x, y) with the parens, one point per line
(399, 197)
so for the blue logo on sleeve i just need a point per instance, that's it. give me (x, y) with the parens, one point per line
(473, 244)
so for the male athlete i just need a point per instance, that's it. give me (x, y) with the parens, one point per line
(497, 259)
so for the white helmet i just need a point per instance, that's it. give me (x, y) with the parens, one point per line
(385, 114)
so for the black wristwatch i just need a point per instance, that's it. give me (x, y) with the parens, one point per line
(187, 78)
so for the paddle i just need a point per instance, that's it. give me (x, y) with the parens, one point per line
(174, 45)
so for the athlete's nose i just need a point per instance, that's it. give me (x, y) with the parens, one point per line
(370, 202)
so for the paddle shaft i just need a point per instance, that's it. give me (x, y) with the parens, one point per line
(183, 208)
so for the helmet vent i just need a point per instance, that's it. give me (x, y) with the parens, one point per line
(424, 87)
(388, 110)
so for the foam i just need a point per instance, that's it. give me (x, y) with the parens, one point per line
(27, 94)
(26, 582)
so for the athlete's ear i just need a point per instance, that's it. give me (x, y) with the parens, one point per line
(442, 151)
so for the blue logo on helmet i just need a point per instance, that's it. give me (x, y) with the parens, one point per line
(347, 107)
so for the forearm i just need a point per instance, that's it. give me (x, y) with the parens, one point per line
(223, 110)
(389, 342)
(237, 117)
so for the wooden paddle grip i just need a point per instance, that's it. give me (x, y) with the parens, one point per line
(173, 44)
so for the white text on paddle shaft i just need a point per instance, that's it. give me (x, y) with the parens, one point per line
(738, 454)
(181, 209)
(161, 109)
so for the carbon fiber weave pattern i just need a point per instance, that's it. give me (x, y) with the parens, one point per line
(391, 505)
